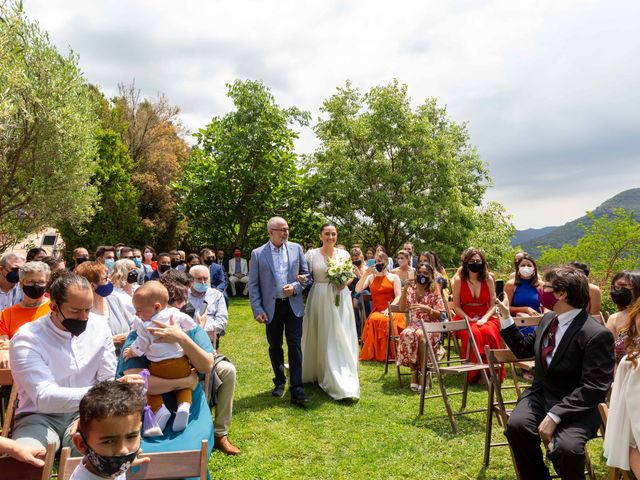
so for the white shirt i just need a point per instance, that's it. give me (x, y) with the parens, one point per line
(280, 257)
(157, 351)
(217, 314)
(564, 320)
(10, 298)
(81, 473)
(53, 369)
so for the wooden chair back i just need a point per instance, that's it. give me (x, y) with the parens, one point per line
(365, 299)
(7, 418)
(163, 465)
(392, 340)
(532, 321)
(11, 468)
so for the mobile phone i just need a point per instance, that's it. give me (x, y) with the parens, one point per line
(500, 289)
(371, 262)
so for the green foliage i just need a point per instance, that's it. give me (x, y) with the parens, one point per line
(492, 231)
(387, 173)
(116, 219)
(47, 128)
(243, 170)
(610, 244)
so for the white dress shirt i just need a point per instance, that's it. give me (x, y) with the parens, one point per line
(217, 313)
(10, 298)
(158, 351)
(564, 320)
(53, 369)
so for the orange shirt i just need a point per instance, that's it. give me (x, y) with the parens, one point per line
(12, 318)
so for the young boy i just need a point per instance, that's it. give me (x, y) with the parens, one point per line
(108, 433)
(167, 360)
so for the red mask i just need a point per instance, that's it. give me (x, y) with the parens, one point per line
(236, 254)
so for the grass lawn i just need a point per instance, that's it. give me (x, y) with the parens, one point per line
(380, 436)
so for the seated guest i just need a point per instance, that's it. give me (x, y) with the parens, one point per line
(516, 260)
(381, 249)
(10, 291)
(216, 273)
(522, 290)
(384, 287)
(595, 295)
(423, 300)
(238, 272)
(369, 254)
(149, 264)
(404, 271)
(108, 433)
(573, 371)
(625, 290)
(55, 360)
(191, 260)
(175, 259)
(80, 255)
(22, 453)
(107, 307)
(36, 254)
(33, 280)
(359, 269)
(163, 266)
(474, 295)
(125, 280)
(56, 264)
(106, 255)
(413, 259)
(207, 300)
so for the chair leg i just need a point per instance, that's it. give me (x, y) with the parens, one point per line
(488, 428)
(386, 357)
(423, 382)
(445, 397)
(465, 390)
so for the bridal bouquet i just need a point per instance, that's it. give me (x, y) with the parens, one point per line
(339, 273)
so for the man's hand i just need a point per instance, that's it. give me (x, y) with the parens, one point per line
(261, 318)
(27, 454)
(546, 429)
(288, 290)
(503, 308)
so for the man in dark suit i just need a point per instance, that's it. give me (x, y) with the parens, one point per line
(276, 301)
(573, 370)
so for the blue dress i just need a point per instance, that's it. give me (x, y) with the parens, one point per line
(526, 296)
(200, 424)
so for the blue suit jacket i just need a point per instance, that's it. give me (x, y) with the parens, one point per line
(263, 283)
(216, 274)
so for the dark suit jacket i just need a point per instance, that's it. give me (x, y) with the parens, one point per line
(216, 275)
(581, 369)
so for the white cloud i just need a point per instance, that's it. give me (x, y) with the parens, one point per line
(549, 89)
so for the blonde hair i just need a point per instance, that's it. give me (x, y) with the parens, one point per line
(152, 292)
(121, 271)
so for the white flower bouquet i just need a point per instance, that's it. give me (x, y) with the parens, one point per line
(339, 273)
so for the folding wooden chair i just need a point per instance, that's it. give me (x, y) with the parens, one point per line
(163, 465)
(365, 299)
(392, 341)
(496, 405)
(7, 418)
(529, 365)
(11, 468)
(613, 473)
(453, 367)
(450, 337)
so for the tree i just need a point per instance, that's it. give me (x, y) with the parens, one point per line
(243, 170)
(153, 135)
(116, 219)
(492, 233)
(389, 174)
(610, 244)
(47, 128)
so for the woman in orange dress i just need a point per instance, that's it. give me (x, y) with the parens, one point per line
(474, 295)
(384, 287)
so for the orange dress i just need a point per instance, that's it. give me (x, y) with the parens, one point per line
(376, 329)
(487, 334)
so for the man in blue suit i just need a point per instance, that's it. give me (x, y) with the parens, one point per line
(216, 274)
(276, 301)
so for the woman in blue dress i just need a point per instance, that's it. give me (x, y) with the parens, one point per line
(522, 290)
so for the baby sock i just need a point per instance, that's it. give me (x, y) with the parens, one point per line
(182, 417)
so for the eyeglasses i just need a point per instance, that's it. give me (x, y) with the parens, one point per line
(475, 262)
(548, 288)
(33, 284)
(280, 229)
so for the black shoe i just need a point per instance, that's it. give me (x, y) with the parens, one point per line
(278, 391)
(300, 401)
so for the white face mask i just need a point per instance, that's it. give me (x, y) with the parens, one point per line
(526, 272)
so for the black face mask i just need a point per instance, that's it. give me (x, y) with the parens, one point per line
(132, 277)
(13, 276)
(33, 291)
(80, 260)
(209, 261)
(422, 279)
(111, 466)
(475, 267)
(175, 263)
(74, 326)
(357, 263)
(181, 262)
(164, 268)
(379, 267)
(621, 296)
(188, 309)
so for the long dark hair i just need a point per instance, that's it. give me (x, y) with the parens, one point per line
(469, 253)
(535, 280)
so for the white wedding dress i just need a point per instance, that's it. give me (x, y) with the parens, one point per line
(329, 338)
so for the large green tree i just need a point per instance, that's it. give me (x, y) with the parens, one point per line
(47, 132)
(243, 170)
(389, 173)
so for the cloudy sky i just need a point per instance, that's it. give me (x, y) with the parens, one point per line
(550, 89)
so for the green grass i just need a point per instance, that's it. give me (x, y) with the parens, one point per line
(380, 436)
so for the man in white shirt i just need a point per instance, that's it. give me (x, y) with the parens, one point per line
(574, 365)
(10, 292)
(54, 362)
(238, 272)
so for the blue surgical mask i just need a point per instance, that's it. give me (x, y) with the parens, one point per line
(200, 287)
(109, 263)
(105, 290)
(137, 262)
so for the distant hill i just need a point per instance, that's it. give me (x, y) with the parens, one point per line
(570, 232)
(523, 236)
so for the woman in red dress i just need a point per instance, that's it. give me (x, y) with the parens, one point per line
(474, 294)
(384, 287)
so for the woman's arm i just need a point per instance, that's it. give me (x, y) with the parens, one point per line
(172, 333)
(158, 386)
(364, 280)
(401, 301)
(397, 284)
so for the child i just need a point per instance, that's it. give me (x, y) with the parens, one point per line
(167, 360)
(108, 433)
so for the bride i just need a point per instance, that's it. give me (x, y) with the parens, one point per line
(329, 338)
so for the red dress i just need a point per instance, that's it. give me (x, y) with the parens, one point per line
(376, 329)
(487, 334)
